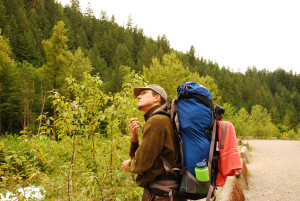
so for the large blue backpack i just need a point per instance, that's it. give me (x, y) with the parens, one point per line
(194, 118)
(196, 126)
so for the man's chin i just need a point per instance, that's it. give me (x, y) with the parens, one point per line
(139, 107)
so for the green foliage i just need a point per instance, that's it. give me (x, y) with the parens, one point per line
(256, 124)
(292, 134)
(17, 166)
(61, 42)
(7, 75)
(241, 122)
(42, 43)
(83, 113)
(170, 73)
(60, 61)
(260, 123)
(93, 142)
(58, 58)
(230, 112)
(86, 161)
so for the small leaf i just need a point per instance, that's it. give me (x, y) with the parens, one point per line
(19, 161)
(22, 158)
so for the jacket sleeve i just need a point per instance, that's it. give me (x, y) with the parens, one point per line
(150, 147)
(133, 147)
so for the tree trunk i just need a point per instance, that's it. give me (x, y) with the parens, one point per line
(0, 123)
(54, 118)
(54, 110)
(24, 117)
(9, 127)
(42, 106)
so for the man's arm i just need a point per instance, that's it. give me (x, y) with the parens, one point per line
(134, 129)
(150, 147)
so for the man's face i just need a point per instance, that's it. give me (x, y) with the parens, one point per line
(146, 100)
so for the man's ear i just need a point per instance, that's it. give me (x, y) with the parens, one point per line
(157, 98)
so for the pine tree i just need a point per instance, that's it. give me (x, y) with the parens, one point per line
(275, 115)
(7, 70)
(58, 57)
(191, 56)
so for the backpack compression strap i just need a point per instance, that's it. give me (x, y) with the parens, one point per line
(210, 160)
(202, 98)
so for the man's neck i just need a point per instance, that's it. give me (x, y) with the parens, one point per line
(150, 111)
(146, 109)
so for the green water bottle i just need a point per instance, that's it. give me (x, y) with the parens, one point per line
(201, 171)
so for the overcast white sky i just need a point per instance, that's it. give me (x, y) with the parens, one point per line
(234, 33)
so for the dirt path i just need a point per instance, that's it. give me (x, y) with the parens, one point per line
(275, 171)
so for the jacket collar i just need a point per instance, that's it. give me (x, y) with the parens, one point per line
(150, 111)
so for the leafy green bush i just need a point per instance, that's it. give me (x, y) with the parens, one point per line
(17, 167)
(86, 161)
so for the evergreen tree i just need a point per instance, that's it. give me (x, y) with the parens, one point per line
(3, 15)
(120, 59)
(97, 61)
(145, 55)
(163, 46)
(25, 87)
(79, 65)
(191, 57)
(7, 72)
(58, 58)
(275, 115)
(89, 11)
(115, 50)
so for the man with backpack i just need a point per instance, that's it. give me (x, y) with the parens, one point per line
(158, 143)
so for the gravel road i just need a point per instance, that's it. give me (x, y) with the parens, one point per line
(275, 171)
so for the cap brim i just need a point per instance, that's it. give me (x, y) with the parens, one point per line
(138, 90)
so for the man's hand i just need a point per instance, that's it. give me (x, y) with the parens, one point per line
(134, 129)
(125, 165)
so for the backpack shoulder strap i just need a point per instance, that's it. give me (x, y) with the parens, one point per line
(210, 160)
(163, 109)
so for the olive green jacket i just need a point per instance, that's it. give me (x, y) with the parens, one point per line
(158, 139)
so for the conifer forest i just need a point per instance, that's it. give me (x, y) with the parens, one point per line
(66, 97)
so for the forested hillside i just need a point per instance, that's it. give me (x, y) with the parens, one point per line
(42, 43)
(66, 97)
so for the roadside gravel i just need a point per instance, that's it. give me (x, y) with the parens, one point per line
(275, 170)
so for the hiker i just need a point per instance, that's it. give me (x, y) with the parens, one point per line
(158, 140)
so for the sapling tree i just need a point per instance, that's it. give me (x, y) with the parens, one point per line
(93, 140)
